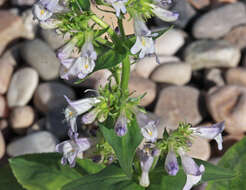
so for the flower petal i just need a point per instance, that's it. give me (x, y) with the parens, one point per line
(171, 163)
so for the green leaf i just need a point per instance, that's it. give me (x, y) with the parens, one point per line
(110, 178)
(234, 159)
(108, 59)
(160, 179)
(7, 179)
(84, 4)
(44, 171)
(124, 147)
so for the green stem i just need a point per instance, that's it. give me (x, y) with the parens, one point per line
(125, 74)
(121, 27)
(103, 24)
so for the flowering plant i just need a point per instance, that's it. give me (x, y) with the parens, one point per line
(127, 151)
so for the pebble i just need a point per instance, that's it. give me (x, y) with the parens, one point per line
(3, 107)
(212, 53)
(2, 145)
(139, 86)
(199, 4)
(54, 40)
(165, 73)
(38, 142)
(23, 2)
(50, 96)
(218, 22)
(30, 25)
(6, 69)
(170, 42)
(40, 56)
(200, 149)
(22, 86)
(11, 28)
(173, 109)
(237, 36)
(37, 126)
(55, 123)
(228, 104)
(145, 66)
(213, 77)
(21, 117)
(236, 76)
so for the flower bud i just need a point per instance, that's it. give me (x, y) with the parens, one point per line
(121, 125)
(171, 164)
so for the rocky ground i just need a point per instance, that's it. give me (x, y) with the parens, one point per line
(201, 78)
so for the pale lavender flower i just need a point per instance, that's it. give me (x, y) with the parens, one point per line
(150, 131)
(72, 148)
(118, 5)
(40, 13)
(52, 5)
(90, 117)
(211, 132)
(120, 126)
(171, 163)
(66, 51)
(144, 42)
(192, 170)
(77, 108)
(163, 14)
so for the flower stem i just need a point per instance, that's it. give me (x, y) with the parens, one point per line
(125, 74)
(102, 24)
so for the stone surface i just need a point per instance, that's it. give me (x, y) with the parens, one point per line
(228, 104)
(2, 2)
(173, 109)
(37, 126)
(213, 77)
(212, 53)
(50, 96)
(23, 2)
(55, 123)
(11, 28)
(236, 76)
(22, 86)
(38, 142)
(237, 36)
(30, 25)
(140, 85)
(40, 56)
(200, 149)
(3, 107)
(6, 69)
(52, 38)
(145, 66)
(173, 73)
(216, 23)
(21, 117)
(2, 145)
(3, 124)
(170, 42)
(199, 4)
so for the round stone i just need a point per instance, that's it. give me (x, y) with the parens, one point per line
(2, 145)
(228, 104)
(6, 71)
(41, 57)
(22, 86)
(173, 109)
(165, 73)
(54, 40)
(236, 76)
(38, 142)
(50, 96)
(237, 36)
(145, 66)
(212, 53)
(21, 117)
(140, 86)
(170, 42)
(3, 107)
(213, 77)
(217, 22)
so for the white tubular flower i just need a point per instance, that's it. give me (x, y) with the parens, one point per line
(211, 132)
(146, 162)
(72, 148)
(192, 170)
(171, 163)
(66, 51)
(144, 42)
(150, 131)
(40, 12)
(77, 108)
(118, 5)
(164, 14)
(50, 23)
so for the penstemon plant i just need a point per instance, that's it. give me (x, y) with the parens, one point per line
(127, 151)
